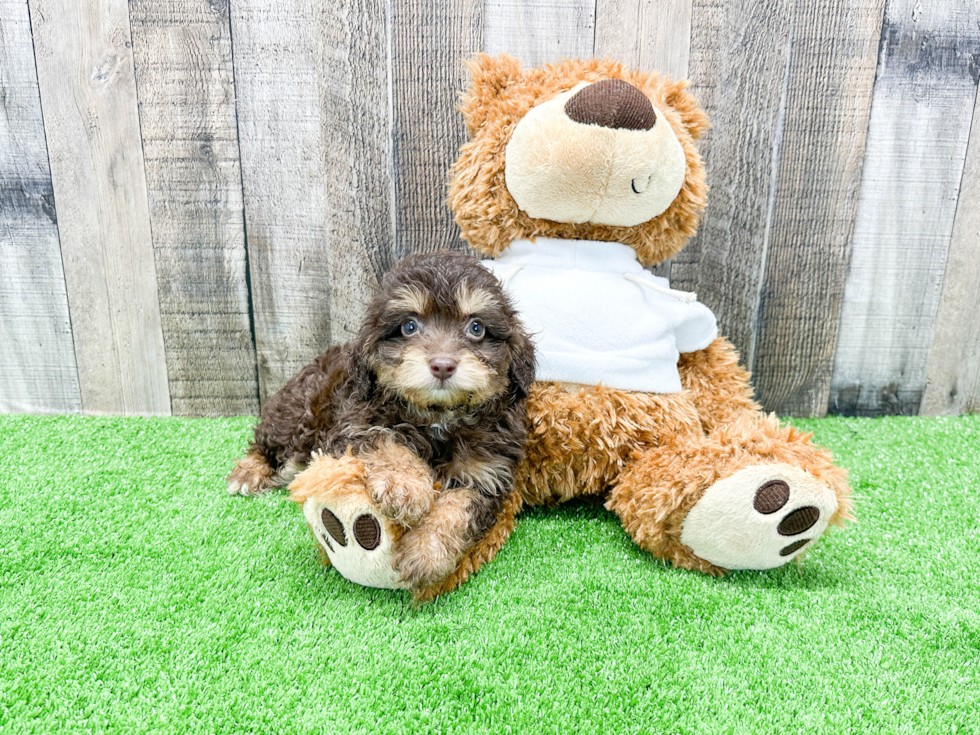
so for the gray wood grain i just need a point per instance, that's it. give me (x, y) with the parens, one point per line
(646, 34)
(184, 78)
(278, 77)
(920, 126)
(88, 96)
(953, 373)
(429, 42)
(315, 130)
(37, 361)
(818, 172)
(739, 67)
(279, 158)
(540, 32)
(357, 179)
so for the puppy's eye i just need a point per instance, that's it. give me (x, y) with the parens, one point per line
(409, 327)
(475, 330)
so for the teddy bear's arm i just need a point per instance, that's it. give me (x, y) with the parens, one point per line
(718, 384)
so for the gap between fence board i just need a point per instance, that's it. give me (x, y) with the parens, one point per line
(539, 32)
(429, 45)
(278, 75)
(740, 53)
(953, 373)
(818, 172)
(920, 125)
(357, 159)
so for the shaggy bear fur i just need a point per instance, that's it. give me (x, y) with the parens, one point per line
(655, 455)
(500, 94)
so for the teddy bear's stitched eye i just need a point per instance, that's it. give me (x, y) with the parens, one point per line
(475, 330)
(409, 327)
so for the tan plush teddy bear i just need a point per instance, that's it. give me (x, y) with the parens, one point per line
(577, 176)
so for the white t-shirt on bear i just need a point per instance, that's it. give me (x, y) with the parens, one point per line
(596, 317)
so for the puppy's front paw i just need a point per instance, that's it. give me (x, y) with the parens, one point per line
(252, 476)
(424, 559)
(402, 496)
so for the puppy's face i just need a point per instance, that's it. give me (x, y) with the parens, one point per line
(443, 352)
(444, 335)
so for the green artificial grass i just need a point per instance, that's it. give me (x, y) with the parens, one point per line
(137, 596)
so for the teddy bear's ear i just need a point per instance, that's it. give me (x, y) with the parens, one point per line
(693, 117)
(489, 77)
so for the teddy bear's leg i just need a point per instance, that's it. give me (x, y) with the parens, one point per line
(358, 538)
(717, 384)
(580, 438)
(749, 495)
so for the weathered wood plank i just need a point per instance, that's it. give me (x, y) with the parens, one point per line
(538, 31)
(88, 95)
(646, 34)
(429, 44)
(315, 135)
(357, 159)
(37, 361)
(920, 125)
(184, 79)
(739, 66)
(278, 75)
(953, 373)
(821, 150)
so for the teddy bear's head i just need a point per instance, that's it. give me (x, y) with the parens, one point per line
(580, 150)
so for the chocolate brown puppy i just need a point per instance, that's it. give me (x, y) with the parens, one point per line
(430, 396)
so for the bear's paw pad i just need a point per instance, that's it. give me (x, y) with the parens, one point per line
(758, 518)
(358, 540)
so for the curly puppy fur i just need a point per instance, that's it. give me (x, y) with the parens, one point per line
(430, 396)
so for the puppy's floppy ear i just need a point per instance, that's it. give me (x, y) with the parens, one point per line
(521, 362)
(359, 370)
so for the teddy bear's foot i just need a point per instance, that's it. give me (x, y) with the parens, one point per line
(752, 495)
(357, 538)
(758, 518)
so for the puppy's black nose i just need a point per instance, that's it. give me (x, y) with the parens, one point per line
(612, 103)
(442, 367)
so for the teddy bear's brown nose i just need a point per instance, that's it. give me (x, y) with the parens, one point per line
(612, 103)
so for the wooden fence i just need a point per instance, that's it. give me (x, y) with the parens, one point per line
(197, 195)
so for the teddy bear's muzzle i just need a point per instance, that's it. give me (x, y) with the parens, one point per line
(598, 153)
